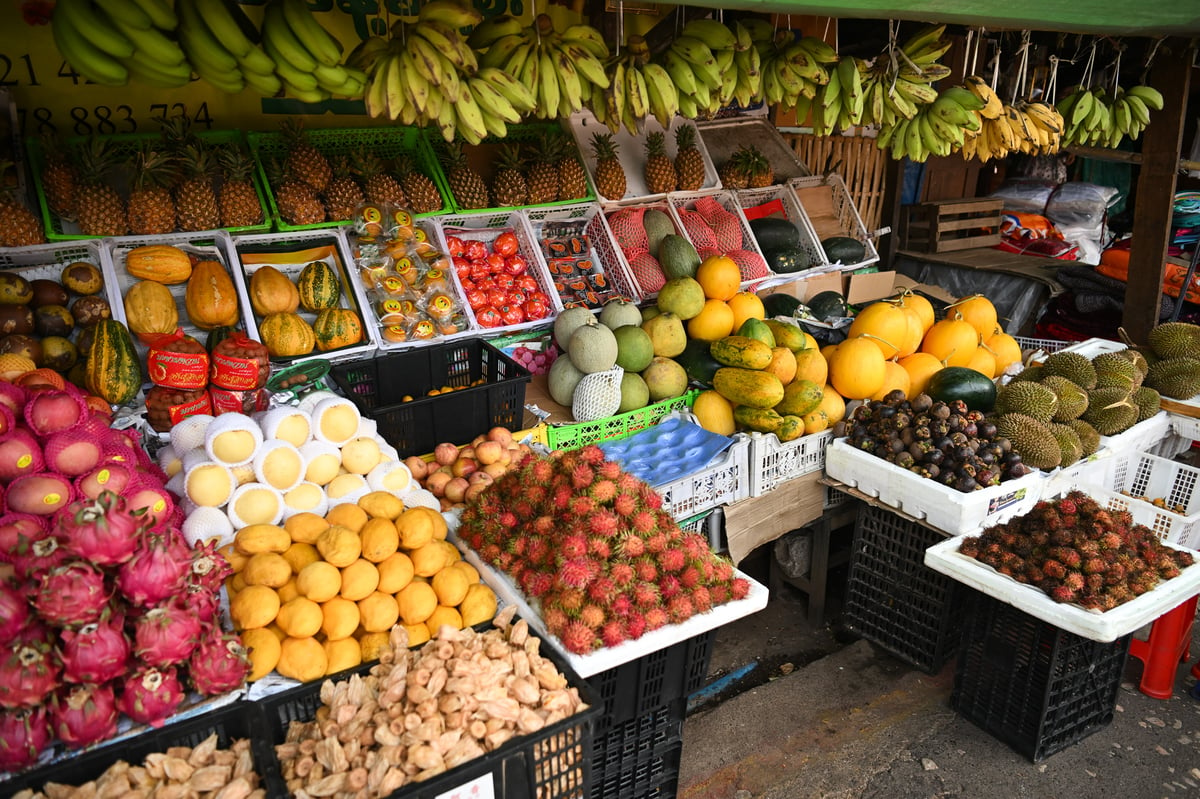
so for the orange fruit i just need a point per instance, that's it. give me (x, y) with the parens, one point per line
(719, 276)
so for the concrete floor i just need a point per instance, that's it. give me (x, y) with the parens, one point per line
(822, 713)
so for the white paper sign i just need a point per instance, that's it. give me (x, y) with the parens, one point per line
(479, 788)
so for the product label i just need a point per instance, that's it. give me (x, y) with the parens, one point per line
(103, 476)
(237, 374)
(24, 461)
(178, 413)
(247, 402)
(186, 370)
(52, 498)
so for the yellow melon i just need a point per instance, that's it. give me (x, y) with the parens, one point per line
(895, 379)
(746, 305)
(920, 367)
(714, 412)
(857, 368)
(714, 322)
(953, 340)
(886, 325)
(719, 276)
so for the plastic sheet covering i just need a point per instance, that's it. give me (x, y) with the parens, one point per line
(1080, 205)
(1018, 300)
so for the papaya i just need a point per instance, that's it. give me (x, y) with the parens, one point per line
(757, 329)
(748, 387)
(740, 351)
(760, 420)
(791, 429)
(800, 397)
(786, 335)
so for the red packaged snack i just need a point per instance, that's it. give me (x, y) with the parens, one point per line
(177, 361)
(239, 363)
(247, 402)
(166, 407)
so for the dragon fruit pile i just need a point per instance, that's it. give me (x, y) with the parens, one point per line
(591, 545)
(104, 609)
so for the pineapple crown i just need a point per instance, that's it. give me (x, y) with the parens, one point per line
(509, 157)
(235, 163)
(341, 166)
(94, 160)
(293, 130)
(153, 167)
(196, 161)
(685, 137)
(453, 156)
(177, 132)
(656, 143)
(603, 146)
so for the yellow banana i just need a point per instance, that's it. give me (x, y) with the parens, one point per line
(635, 93)
(548, 81)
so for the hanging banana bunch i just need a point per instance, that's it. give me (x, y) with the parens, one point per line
(898, 82)
(637, 89)
(1094, 118)
(793, 69)
(711, 65)
(938, 128)
(562, 70)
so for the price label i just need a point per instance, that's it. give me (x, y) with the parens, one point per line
(479, 788)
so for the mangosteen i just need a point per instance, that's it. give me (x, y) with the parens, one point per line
(921, 433)
(904, 460)
(934, 457)
(894, 397)
(966, 484)
(985, 429)
(922, 403)
(940, 410)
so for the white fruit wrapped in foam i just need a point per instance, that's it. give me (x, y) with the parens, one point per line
(322, 461)
(305, 498)
(255, 503)
(346, 488)
(286, 423)
(360, 455)
(335, 420)
(393, 477)
(309, 401)
(207, 524)
(232, 439)
(279, 465)
(421, 498)
(205, 482)
(188, 433)
(367, 427)
(169, 460)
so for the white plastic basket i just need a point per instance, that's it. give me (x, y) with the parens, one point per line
(844, 220)
(720, 483)
(686, 200)
(660, 205)
(335, 252)
(809, 242)
(486, 227)
(773, 461)
(605, 250)
(1134, 482)
(46, 262)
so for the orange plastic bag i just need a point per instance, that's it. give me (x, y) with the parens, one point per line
(1114, 263)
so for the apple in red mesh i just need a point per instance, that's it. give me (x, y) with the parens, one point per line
(517, 297)
(495, 263)
(506, 244)
(476, 299)
(511, 314)
(503, 281)
(462, 267)
(497, 296)
(535, 309)
(526, 282)
(455, 246)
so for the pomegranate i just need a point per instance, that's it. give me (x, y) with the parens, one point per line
(14, 611)
(219, 664)
(103, 531)
(29, 671)
(166, 635)
(155, 572)
(97, 652)
(83, 714)
(150, 695)
(24, 733)
(72, 595)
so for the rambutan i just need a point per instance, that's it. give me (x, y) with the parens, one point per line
(695, 545)
(621, 573)
(625, 505)
(645, 569)
(1093, 582)
(592, 615)
(635, 626)
(632, 546)
(656, 618)
(1067, 505)
(599, 548)
(1054, 570)
(621, 605)
(543, 526)
(582, 476)
(1168, 571)
(508, 519)
(613, 633)
(603, 491)
(505, 561)
(569, 599)
(577, 637)
(562, 497)
(671, 560)
(650, 498)
(537, 551)
(1094, 566)
(536, 494)
(1063, 593)
(576, 573)
(689, 577)
(701, 599)
(603, 522)
(582, 505)
(644, 522)
(541, 470)
(573, 546)
(592, 454)
(723, 570)
(710, 570)
(656, 543)
(600, 589)
(490, 551)
(645, 595)
(609, 470)
(969, 547)
(516, 545)
(669, 586)
(627, 482)
(555, 618)
(1109, 541)
(535, 583)
(719, 593)
(740, 588)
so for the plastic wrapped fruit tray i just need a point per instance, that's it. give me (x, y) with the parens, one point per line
(608, 275)
(939, 506)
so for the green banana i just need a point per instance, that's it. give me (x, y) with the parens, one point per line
(84, 57)
(101, 33)
(310, 33)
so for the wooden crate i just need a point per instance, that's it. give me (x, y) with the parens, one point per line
(948, 225)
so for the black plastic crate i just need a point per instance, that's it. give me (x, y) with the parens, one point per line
(893, 599)
(1033, 686)
(488, 390)
(230, 722)
(639, 758)
(639, 687)
(551, 763)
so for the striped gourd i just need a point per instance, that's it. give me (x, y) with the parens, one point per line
(286, 335)
(114, 372)
(319, 287)
(336, 328)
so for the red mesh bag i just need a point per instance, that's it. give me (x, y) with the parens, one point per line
(72, 452)
(177, 361)
(239, 363)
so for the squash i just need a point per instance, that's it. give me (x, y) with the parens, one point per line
(962, 383)
(272, 293)
(336, 328)
(161, 263)
(318, 286)
(286, 335)
(741, 351)
(211, 299)
(114, 372)
(748, 387)
(150, 309)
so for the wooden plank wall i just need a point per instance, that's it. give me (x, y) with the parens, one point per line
(860, 163)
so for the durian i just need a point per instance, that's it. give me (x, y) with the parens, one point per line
(1178, 378)
(1137, 358)
(1068, 443)
(1032, 439)
(1075, 367)
(1174, 339)
(1031, 399)
(1088, 437)
(1114, 370)
(1148, 402)
(1072, 400)
(1110, 411)
(1032, 373)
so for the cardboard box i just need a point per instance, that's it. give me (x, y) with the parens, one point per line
(753, 522)
(858, 289)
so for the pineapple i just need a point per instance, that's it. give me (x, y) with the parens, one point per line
(660, 172)
(297, 201)
(343, 195)
(508, 184)
(689, 164)
(18, 225)
(423, 194)
(572, 178)
(151, 207)
(58, 178)
(758, 168)
(541, 176)
(733, 172)
(195, 196)
(305, 162)
(240, 205)
(98, 207)
(610, 175)
(466, 185)
(378, 185)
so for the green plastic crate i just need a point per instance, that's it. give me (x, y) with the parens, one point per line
(482, 157)
(386, 142)
(622, 425)
(125, 144)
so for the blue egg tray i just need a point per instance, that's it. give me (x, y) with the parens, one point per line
(666, 452)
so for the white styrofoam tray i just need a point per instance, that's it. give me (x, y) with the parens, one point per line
(945, 558)
(631, 152)
(940, 506)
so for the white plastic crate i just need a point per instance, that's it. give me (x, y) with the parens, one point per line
(1140, 437)
(773, 461)
(642, 293)
(486, 227)
(1134, 482)
(600, 238)
(844, 221)
(722, 482)
(749, 199)
(937, 505)
(46, 262)
(686, 201)
(1187, 427)
(1092, 347)
(290, 252)
(1046, 345)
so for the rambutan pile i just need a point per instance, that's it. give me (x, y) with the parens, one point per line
(1078, 552)
(592, 546)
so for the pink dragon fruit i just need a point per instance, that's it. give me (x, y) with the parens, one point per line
(32, 548)
(103, 531)
(207, 575)
(97, 652)
(72, 595)
(219, 664)
(24, 733)
(155, 572)
(166, 635)
(29, 670)
(83, 714)
(14, 611)
(150, 695)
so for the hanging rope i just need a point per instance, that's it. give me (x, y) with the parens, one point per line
(1022, 68)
